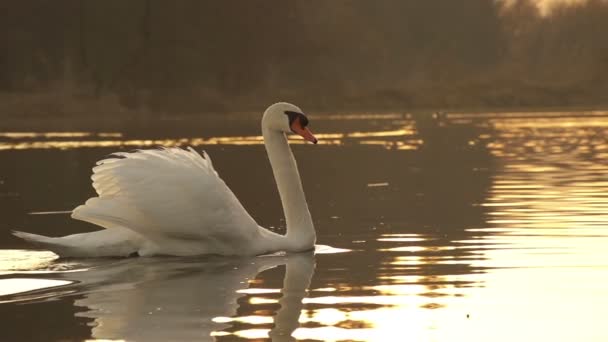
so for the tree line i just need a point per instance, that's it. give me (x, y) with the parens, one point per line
(194, 56)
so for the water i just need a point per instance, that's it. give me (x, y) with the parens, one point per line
(468, 227)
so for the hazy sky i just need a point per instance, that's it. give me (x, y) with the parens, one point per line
(544, 4)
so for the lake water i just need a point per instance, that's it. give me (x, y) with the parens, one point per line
(457, 227)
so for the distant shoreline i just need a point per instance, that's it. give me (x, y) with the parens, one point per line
(76, 121)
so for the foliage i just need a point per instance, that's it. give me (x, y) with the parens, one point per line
(195, 56)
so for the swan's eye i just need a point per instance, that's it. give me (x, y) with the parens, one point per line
(294, 115)
(303, 120)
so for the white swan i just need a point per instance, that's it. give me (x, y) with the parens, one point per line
(171, 201)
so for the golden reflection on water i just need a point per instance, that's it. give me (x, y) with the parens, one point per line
(536, 272)
(27, 285)
(39, 140)
(548, 219)
(405, 304)
(19, 285)
(13, 260)
(553, 177)
(23, 135)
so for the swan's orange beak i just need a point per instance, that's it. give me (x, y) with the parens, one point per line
(304, 132)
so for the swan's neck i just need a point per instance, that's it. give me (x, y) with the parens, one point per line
(300, 230)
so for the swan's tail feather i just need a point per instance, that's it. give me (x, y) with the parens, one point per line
(102, 243)
(45, 242)
(31, 237)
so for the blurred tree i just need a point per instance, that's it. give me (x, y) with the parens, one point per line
(191, 55)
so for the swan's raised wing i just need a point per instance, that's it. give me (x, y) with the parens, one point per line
(171, 197)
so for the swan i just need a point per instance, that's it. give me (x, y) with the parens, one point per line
(171, 201)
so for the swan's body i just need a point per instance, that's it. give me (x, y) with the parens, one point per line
(171, 201)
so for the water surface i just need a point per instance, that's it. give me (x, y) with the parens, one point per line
(472, 227)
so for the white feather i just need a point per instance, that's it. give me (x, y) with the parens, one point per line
(171, 196)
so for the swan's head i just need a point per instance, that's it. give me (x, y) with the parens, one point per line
(287, 118)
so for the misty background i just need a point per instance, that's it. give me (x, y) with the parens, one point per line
(114, 57)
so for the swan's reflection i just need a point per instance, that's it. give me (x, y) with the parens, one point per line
(177, 299)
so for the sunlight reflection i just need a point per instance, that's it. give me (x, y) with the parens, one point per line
(258, 290)
(326, 289)
(395, 133)
(14, 260)
(547, 213)
(363, 116)
(557, 184)
(20, 285)
(407, 312)
(29, 140)
(262, 300)
(406, 305)
(244, 319)
(401, 238)
(22, 135)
